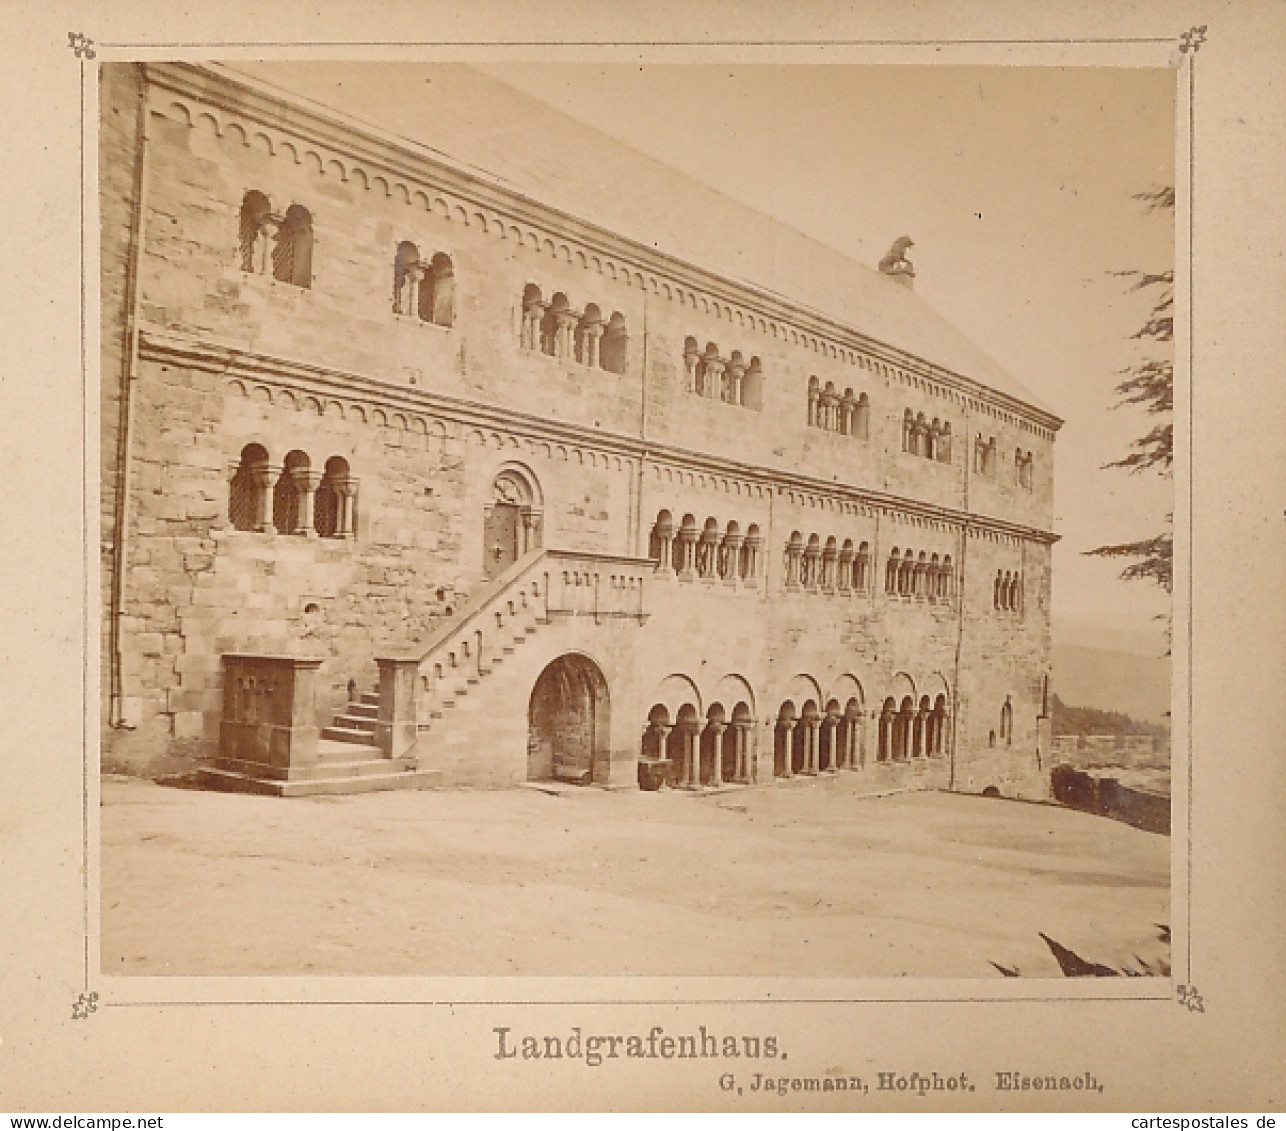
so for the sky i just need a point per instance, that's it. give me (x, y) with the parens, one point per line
(1017, 185)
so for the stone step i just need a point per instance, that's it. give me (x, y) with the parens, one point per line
(364, 710)
(330, 751)
(355, 722)
(233, 782)
(371, 697)
(347, 734)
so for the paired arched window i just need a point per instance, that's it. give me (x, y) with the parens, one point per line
(425, 290)
(984, 455)
(292, 498)
(833, 411)
(280, 245)
(732, 380)
(586, 337)
(1023, 468)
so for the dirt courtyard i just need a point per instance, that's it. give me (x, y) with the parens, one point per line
(797, 879)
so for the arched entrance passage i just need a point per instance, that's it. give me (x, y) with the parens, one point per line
(511, 526)
(567, 722)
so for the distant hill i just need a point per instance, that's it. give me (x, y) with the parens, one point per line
(1111, 680)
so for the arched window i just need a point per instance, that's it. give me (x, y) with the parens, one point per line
(932, 579)
(935, 435)
(862, 418)
(995, 590)
(334, 507)
(814, 402)
(891, 572)
(862, 568)
(406, 273)
(286, 493)
(1007, 723)
(248, 491)
(888, 714)
(1016, 593)
(437, 292)
(552, 326)
(613, 348)
(794, 559)
(944, 443)
(292, 257)
(906, 572)
(533, 312)
(920, 436)
(908, 431)
(256, 214)
(750, 552)
(946, 578)
(692, 363)
(589, 332)
(752, 385)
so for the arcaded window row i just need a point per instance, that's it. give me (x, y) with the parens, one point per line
(732, 380)
(290, 497)
(907, 574)
(585, 337)
(832, 411)
(707, 551)
(922, 437)
(1007, 591)
(830, 568)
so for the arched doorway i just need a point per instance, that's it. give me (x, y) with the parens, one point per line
(567, 722)
(510, 520)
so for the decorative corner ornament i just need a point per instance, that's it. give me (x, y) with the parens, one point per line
(1189, 41)
(81, 44)
(1189, 997)
(84, 1005)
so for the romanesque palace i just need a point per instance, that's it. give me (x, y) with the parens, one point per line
(448, 442)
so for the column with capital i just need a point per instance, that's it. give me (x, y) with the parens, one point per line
(691, 359)
(736, 372)
(533, 313)
(345, 522)
(812, 736)
(591, 333)
(263, 479)
(714, 376)
(665, 548)
(565, 335)
(306, 483)
(716, 769)
(687, 553)
(832, 725)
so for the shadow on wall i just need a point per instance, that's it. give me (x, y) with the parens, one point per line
(1107, 797)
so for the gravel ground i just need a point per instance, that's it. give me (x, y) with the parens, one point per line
(789, 880)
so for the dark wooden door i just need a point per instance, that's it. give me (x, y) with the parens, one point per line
(500, 534)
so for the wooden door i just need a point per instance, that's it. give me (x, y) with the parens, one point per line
(500, 533)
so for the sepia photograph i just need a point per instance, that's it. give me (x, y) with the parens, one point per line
(657, 520)
(688, 556)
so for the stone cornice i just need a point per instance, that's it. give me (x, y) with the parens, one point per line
(238, 362)
(424, 167)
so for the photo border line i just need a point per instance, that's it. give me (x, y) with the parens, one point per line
(1187, 55)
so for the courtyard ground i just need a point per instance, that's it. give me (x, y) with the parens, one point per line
(804, 878)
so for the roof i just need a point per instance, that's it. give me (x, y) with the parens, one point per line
(477, 122)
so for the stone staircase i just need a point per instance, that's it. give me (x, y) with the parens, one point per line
(348, 761)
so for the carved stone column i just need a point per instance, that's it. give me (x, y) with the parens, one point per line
(346, 489)
(692, 756)
(812, 562)
(736, 372)
(691, 357)
(665, 546)
(533, 313)
(833, 725)
(731, 556)
(591, 334)
(812, 743)
(565, 335)
(714, 376)
(754, 544)
(788, 763)
(687, 554)
(716, 770)
(306, 484)
(264, 478)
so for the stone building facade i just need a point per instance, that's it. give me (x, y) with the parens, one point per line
(492, 490)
